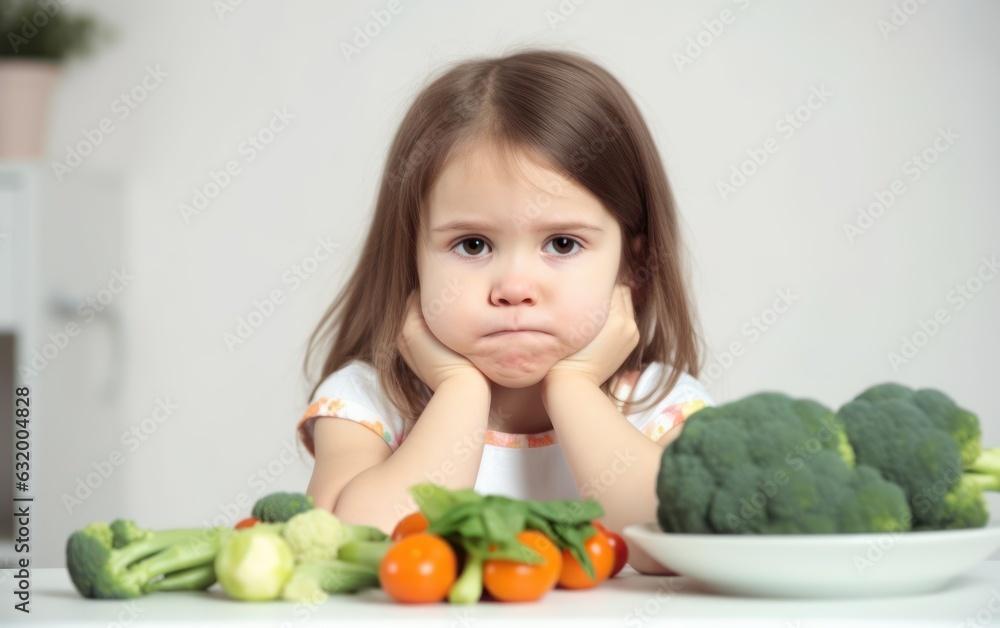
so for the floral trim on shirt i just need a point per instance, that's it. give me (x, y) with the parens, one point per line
(670, 417)
(503, 439)
(335, 407)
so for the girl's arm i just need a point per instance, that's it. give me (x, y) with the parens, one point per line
(609, 459)
(445, 446)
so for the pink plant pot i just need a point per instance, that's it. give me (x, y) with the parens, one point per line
(25, 93)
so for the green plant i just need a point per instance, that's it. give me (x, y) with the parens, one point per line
(31, 29)
(299, 560)
(486, 528)
(121, 560)
(771, 464)
(893, 459)
(281, 506)
(928, 445)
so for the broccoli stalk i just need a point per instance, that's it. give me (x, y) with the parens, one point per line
(193, 579)
(313, 580)
(364, 552)
(988, 464)
(121, 560)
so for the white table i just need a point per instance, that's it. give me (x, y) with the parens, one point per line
(630, 599)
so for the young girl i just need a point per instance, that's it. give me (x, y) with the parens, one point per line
(518, 321)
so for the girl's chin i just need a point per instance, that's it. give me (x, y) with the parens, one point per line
(516, 382)
(518, 375)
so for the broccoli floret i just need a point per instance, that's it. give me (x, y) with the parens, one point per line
(122, 560)
(877, 505)
(771, 464)
(929, 446)
(281, 506)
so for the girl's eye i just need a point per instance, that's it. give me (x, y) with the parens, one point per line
(560, 243)
(480, 243)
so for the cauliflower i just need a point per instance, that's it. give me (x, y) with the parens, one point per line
(315, 535)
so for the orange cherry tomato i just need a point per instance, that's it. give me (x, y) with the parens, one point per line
(420, 568)
(601, 555)
(619, 547)
(512, 581)
(410, 524)
(249, 522)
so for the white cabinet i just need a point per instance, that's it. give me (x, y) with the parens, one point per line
(59, 243)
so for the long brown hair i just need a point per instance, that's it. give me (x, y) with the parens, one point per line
(581, 121)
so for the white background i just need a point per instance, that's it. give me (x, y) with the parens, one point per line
(782, 230)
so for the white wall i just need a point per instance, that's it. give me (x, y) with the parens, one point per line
(783, 230)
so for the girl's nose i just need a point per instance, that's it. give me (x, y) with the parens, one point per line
(513, 295)
(515, 284)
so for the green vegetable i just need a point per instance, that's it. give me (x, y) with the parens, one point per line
(771, 464)
(468, 588)
(929, 446)
(319, 534)
(486, 527)
(893, 459)
(281, 506)
(313, 580)
(306, 553)
(121, 560)
(254, 563)
(367, 553)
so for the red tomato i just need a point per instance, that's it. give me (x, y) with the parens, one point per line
(619, 547)
(410, 524)
(512, 581)
(419, 568)
(249, 522)
(601, 555)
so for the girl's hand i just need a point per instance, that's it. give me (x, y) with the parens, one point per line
(599, 360)
(425, 354)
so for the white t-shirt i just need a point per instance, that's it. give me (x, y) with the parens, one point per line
(520, 466)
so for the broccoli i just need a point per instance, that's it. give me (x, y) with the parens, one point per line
(122, 560)
(302, 559)
(281, 506)
(929, 446)
(772, 464)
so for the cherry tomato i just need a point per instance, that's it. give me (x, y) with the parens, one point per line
(512, 581)
(619, 547)
(601, 555)
(419, 568)
(249, 522)
(410, 524)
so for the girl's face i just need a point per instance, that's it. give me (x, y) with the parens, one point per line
(541, 255)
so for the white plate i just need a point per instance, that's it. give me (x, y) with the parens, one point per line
(819, 565)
